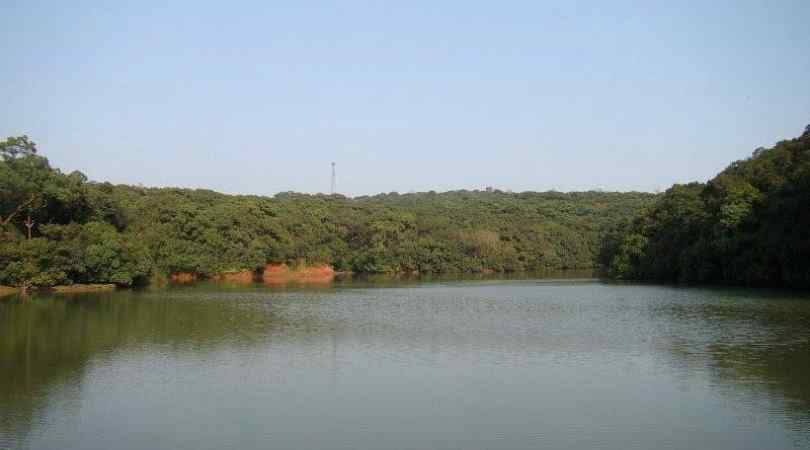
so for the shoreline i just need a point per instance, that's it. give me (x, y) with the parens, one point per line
(279, 276)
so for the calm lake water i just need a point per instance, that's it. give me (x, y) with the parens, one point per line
(498, 364)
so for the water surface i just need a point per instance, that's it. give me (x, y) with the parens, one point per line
(500, 364)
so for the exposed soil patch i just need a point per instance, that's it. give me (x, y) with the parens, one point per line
(183, 277)
(8, 290)
(243, 277)
(282, 274)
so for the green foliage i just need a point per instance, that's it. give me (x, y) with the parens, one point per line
(463, 231)
(97, 232)
(749, 225)
(16, 146)
(95, 252)
(30, 263)
(76, 253)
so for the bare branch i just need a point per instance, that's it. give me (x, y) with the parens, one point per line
(18, 209)
(29, 224)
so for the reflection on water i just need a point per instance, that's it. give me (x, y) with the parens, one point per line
(46, 342)
(381, 363)
(755, 344)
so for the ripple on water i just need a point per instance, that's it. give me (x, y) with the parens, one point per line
(506, 364)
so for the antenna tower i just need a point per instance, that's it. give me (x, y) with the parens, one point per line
(334, 179)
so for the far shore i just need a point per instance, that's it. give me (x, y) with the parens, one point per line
(66, 289)
(273, 275)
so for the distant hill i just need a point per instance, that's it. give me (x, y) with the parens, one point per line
(85, 232)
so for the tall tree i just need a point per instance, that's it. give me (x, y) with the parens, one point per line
(17, 192)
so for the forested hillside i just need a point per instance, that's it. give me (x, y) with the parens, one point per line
(749, 225)
(87, 232)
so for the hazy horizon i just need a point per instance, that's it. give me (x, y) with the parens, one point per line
(248, 98)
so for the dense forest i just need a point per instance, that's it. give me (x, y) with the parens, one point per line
(59, 228)
(749, 225)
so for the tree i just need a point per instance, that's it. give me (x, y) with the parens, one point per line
(16, 190)
(84, 232)
(748, 225)
(14, 147)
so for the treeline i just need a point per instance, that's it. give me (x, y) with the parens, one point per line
(60, 228)
(750, 225)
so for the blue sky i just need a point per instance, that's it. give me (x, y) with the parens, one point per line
(260, 96)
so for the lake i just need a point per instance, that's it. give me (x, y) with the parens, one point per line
(449, 364)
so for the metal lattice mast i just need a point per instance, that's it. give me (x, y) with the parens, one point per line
(334, 180)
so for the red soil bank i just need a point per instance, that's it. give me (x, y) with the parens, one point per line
(7, 290)
(281, 274)
(183, 277)
(245, 276)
